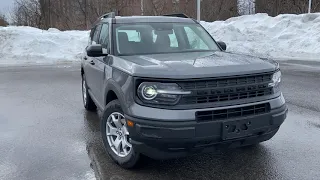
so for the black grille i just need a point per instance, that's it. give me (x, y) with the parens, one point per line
(226, 89)
(232, 112)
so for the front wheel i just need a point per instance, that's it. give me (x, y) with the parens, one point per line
(115, 136)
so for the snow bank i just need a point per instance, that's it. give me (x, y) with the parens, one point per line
(282, 37)
(286, 36)
(23, 45)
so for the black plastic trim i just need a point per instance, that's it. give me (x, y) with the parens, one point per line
(177, 124)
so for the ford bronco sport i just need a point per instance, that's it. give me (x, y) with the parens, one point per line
(167, 89)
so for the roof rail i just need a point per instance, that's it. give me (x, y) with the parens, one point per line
(177, 15)
(108, 15)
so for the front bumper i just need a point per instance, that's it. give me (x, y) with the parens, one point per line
(162, 139)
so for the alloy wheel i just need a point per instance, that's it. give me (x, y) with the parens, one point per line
(118, 135)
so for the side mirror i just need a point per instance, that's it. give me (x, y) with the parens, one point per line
(95, 51)
(222, 45)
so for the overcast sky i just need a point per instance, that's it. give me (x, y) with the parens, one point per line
(5, 5)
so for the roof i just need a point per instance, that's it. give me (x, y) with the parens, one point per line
(150, 19)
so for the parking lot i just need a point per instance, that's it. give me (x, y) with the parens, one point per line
(45, 133)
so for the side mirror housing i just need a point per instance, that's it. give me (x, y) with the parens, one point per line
(95, 51)
(222, 45)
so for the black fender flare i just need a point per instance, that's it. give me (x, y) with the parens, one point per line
(111, 85)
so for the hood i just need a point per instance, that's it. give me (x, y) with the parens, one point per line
(192, 65)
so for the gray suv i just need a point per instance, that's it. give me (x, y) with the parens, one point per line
(167, 89)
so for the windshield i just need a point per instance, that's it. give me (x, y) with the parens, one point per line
(153, 38)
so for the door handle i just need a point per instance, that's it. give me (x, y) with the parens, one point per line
(92, 63)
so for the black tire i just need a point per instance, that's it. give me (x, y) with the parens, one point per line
(88, 102)
(132, 159)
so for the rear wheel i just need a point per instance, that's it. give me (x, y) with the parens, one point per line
(87, 101)
(115, 136)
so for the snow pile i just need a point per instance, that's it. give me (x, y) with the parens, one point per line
(286, 36)
(23, 45)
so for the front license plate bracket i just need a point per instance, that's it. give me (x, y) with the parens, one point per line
(236, 129)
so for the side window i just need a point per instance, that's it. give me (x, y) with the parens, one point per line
(173, 40)
(133, 35)
(95, 39)
(91, 34)
(195, 41)
(104, 36)
(172, 37)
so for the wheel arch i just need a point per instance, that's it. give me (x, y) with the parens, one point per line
(112, 92)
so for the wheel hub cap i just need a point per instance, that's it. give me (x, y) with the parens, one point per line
(118, 135)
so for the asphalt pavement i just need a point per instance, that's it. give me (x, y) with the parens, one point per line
(45, 133)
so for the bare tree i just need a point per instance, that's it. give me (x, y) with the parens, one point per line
(155, 7)
(246, 7)
(276, 7)
(80, 14)
(3, 21)
(26, 12)
(218, 9)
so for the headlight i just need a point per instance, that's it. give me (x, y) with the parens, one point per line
(160, 93)
(276, 79)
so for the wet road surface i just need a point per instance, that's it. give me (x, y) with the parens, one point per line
(45, 133)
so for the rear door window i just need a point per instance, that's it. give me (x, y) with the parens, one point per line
(195, 41)
(133, 35)
(172, 37)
